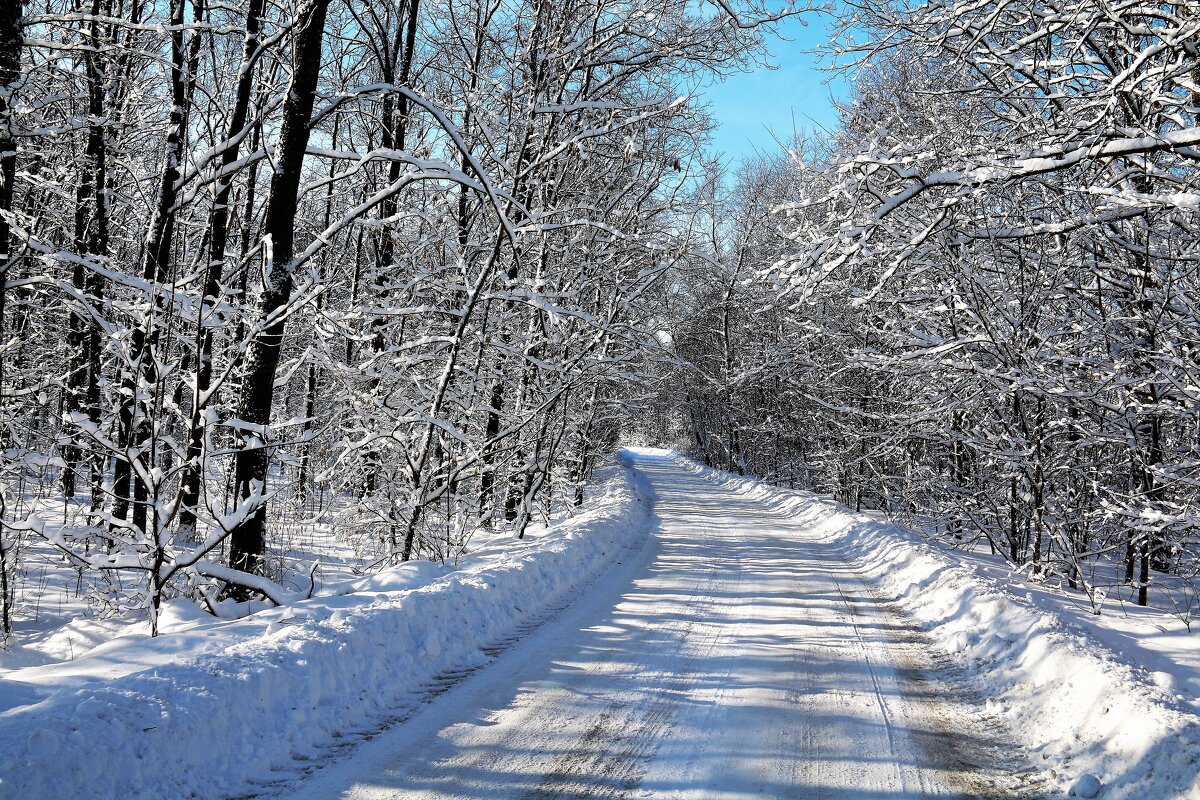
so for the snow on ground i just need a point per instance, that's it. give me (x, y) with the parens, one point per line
(1163, 639)
(61, 613)
(1111, 697)
(1105, 705)
(737, 656)
(217, 708)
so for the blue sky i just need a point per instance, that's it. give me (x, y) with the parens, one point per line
(749, 106)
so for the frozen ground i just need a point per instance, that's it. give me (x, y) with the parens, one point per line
(692, 635)
(1162, 640)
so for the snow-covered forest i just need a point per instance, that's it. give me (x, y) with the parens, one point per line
(299, 293)
(976, 306)
(402, 272)
(386, 269)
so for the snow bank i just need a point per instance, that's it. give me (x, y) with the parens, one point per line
(228, 707)
(1069, 701)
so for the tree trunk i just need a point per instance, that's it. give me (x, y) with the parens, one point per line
(91, 238)
(248, 538)
(156, 264)
(487, 475)
(11, 43)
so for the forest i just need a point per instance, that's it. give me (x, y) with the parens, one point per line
(407, 270)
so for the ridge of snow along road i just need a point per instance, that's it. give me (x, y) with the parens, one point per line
(284, 686)
(1070, 702)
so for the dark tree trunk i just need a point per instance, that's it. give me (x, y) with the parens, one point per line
(247, 234)
(11, 42)
(248, 538)
(583, 464)
(394, 136)
(310, 408)
(487, 476)
(310, 391)
(91, 238)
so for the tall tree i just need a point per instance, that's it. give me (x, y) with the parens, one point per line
(247, 544)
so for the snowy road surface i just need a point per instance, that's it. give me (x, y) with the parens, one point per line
(734, 657)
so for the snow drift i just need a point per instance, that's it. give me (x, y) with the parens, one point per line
(263, 696)
(1070, 702)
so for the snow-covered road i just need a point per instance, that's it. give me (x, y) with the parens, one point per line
(735, 656)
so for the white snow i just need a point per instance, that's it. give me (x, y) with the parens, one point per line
(1064, 681)
(226, 707)
(762, 643)
(1086, 786)
(737, 657)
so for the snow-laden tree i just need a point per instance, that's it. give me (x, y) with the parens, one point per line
(995, 274)
(384, 269)
(983, 315)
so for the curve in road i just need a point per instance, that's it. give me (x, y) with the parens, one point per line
(736, 656)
